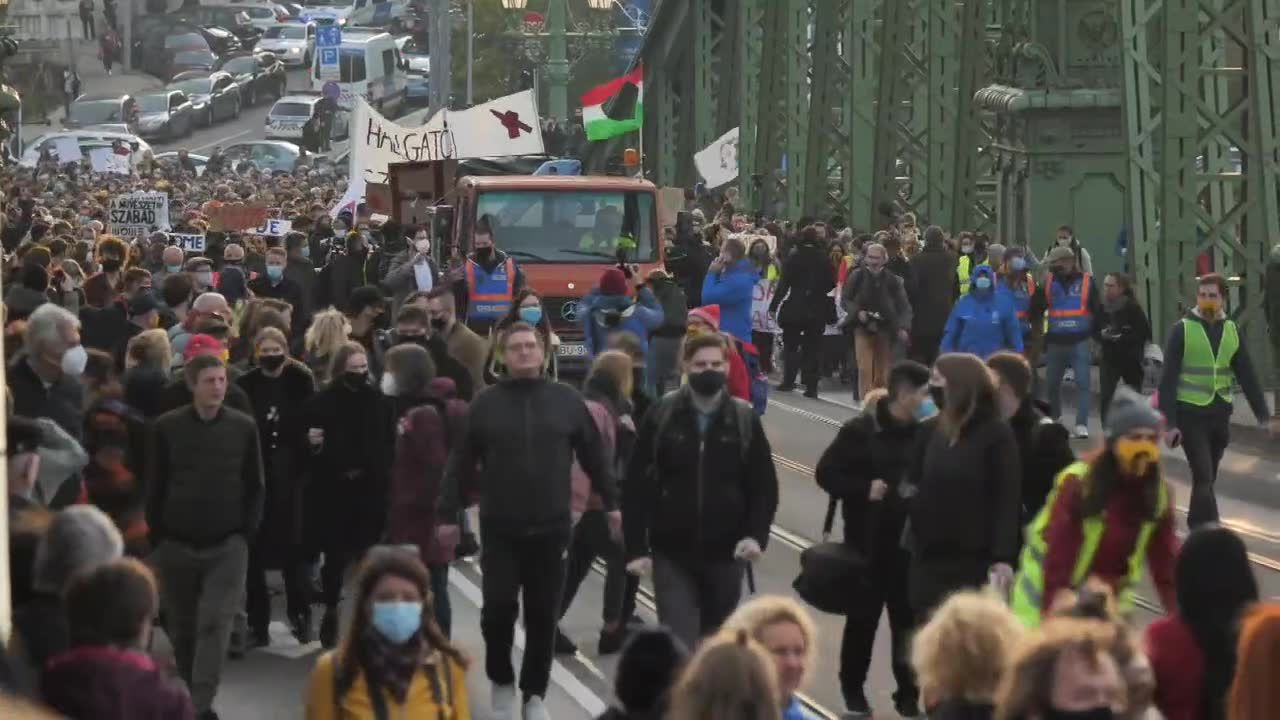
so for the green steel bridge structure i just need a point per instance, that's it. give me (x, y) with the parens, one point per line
(1148, 121)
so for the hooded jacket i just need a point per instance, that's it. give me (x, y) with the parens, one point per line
(983, 322)
(605, 314)
(732, 290)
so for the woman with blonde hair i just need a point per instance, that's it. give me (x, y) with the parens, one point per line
(786, 631)
(329, 331)
(1065, 671)
(146, 362)
(965, 515)
(961, 654)
(730, 678)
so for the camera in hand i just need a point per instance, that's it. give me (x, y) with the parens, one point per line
(872, 323)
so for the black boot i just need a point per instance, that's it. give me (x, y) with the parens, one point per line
(329, 629)
(301, 627)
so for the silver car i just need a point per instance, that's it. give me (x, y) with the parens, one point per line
(293, 43)
(166, 114)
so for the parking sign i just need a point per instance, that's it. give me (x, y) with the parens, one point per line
(328, 40)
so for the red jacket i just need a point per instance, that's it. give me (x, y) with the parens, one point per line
(417, 476)
(739, 378)
(1178, 666)
(1064, 536)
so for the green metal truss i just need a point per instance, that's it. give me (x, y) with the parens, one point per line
(1200, 105)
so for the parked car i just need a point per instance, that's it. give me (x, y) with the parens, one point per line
(266, 155)
(115, 111)
(171, 158)
(289, 117)
(166, 114)
(259, 75)
(224, 17)
(417, 64)
(292, 42)
(262, 15)
(214, 95)
(151, 33)
(89, 140)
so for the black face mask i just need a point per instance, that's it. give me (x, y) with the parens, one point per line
(439, 324)
(1098, 713)
(484, 253)
(939, 395)
(411, 340)
(110, 264)
(355, 380)
(707, 382)
(271, 362)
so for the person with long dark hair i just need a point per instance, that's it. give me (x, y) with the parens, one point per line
(1107, 517)
(1125, 333)
(394, 661)
(528, 309)
(1193, 651)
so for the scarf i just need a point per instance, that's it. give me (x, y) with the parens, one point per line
(391, 666)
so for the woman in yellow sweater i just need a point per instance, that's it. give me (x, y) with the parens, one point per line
(394, 662)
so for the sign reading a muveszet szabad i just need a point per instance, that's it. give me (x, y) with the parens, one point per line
(139, 214)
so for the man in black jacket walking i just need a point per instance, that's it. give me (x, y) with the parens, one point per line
(863, 469)
(701, 492)
(806, 309)
(935, 288)
(523, 434)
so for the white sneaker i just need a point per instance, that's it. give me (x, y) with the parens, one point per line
(535, 710)
(504, 701)
(1082, 432)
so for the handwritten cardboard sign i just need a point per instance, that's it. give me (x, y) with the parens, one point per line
(225, 217)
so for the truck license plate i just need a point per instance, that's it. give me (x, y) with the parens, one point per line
(572, 350)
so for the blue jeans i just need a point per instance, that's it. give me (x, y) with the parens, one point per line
(1057, 358)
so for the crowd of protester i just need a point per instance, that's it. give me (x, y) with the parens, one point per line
(330, 402)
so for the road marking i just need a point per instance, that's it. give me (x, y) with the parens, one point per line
(220, 141)
(580, 693)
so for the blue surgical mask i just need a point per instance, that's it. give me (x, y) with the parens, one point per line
(397, 621)
(306, 251)
(927, 409)
(171, 269)
(1018, 264)
(982, 282)
(275, 272)
(531, 315)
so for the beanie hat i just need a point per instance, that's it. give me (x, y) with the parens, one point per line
(79, 538)
(613, 282)
(647, 668)
(709, 314)
(201, 345)
(1130, 410)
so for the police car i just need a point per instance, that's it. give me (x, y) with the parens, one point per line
(291, 113)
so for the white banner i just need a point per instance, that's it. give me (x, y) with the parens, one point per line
(502, 127)
(107, 160)
(67, 148)
(717, 163)
(189, 242)
(274, 227)
(761, 296)
(138, 214)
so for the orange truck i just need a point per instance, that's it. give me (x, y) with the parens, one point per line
(564, 231)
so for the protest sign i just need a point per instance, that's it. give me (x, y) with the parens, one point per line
(761, 296)
(67, 149)
(717, 163)
(138, 214)
(189, 242)
(106, 160)
(234, 216)
(274, 227)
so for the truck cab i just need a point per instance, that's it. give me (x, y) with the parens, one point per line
(564, 232)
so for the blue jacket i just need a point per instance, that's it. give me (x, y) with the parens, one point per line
(795, 711)
(983, 322)
(639, 317)
(732, 290)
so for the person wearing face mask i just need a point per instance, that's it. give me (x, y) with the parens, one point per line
(1044, 446)
(862, 470)
(413, 269)
(413, 327)
(280, 389)
(491, 281)
(346, 272)
(880, 312)
(526, 309)
(298, 264)
(202, 277)
(700, 495)
(972, 254)
(983, 321)
(1107, 517)
(1074, 308)
(350, 445)
(44, 379)
(1205, 354)
(1017, 280)
(275, 283)
(1066, 238)
(462, 345)
(394, 660)
(170, 264)
(101, 288)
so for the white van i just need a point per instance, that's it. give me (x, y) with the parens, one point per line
(355, 12)
(369, 66)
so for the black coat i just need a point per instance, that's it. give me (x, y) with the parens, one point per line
(1124, 335)
(347, 500)
(62, 402)
(694, 496)
(343, 274)
(802, 289)
(1045, 450)
(291, 292)
(935, 288)
(280, 410)
(872, 446)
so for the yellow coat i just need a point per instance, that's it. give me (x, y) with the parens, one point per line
(420, 704)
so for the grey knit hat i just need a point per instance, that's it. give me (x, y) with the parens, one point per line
(1129, 410)
(79, 538)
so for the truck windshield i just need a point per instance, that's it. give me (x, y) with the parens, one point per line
(571, 226)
